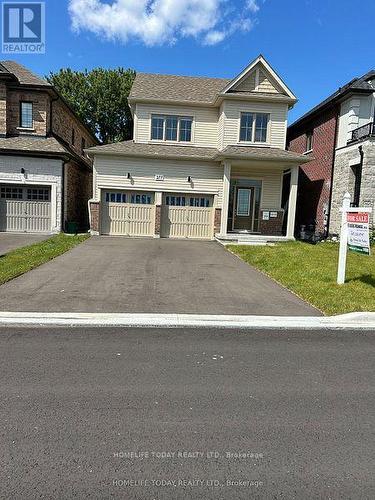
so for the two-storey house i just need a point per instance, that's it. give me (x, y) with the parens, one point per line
(45, 176)
(339, 133)
(208, 158)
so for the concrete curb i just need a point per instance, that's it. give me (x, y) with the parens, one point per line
(352, 321)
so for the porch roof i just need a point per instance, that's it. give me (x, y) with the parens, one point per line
(130, 148)
(261, 153)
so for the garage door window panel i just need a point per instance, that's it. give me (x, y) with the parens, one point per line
(200, 202)
(38, 194)
(11, 193)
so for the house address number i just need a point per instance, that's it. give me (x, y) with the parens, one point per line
(159, 177)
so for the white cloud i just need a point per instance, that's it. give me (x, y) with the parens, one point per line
(157, 22)
(252, 5)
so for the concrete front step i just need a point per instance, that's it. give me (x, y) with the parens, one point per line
(249, 239)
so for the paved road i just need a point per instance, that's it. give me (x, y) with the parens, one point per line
(73, 402)
(11, 241)
(146, 275)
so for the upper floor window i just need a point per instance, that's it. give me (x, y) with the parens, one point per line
(26, 115)
(83, 144)
(309, 140)
(171, 128)
(254, 127)
(73, 136)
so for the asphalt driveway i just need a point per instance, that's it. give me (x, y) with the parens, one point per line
(107, 274)
(11, 241)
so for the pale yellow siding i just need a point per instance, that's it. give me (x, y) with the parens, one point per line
(278, 121)
(205, 125)
(265, 84)
(248, 84)
(111, 172)
(271, 183)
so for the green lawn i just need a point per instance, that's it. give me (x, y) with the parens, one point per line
(310, 272)
(24, 259)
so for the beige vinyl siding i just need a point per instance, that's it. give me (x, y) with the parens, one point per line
(205, 122)
(111, 172)
(271, 183)
(248, 84)
(265, 85)
(277, 127)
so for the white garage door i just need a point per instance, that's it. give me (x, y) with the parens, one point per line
(187, 216)
(128, 213)
(25, 208)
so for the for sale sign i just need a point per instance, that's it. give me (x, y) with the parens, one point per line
(359, 232)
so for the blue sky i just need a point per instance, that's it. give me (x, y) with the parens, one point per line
(315, 45)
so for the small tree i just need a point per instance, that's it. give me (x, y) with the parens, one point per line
(99, 97)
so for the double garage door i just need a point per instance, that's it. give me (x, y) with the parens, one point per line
(133, 214)
(25, 208)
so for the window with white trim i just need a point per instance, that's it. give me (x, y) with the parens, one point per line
(309, 141)
(26, 114)
(171, 128)
(254, 127)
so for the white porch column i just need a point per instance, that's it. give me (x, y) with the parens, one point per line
(292, 201)
(226, 186)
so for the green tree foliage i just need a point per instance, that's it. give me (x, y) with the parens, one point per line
(99, 97)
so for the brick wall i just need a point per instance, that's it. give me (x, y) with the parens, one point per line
(315, 177)
(78, 189)
(3, 109)
(217, 223)
(157, 219)
(40, 100)
(273, 226)
(63, 123)
(95, 216)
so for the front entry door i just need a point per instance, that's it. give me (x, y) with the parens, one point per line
(244, 205)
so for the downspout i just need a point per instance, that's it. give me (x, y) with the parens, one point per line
(332, 173)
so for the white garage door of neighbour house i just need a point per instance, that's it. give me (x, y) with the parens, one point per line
(25, 208)
(128, 213)
(187, 216)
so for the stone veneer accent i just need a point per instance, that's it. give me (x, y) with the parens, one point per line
(271, 227)
(343, 180)
(95, 217)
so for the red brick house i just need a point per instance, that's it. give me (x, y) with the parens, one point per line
(45, 176)
(328, 133)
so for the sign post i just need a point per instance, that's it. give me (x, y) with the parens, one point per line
(355, 234)
(343, 240)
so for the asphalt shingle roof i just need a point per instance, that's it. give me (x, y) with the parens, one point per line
(23, 75)
(130, 148)
(175, 88)
(29, 144)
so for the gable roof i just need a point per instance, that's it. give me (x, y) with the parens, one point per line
(201, 90)
(359, 85)
(260, 60)
(23, 75)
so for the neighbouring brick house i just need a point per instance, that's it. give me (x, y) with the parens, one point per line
(208, 159)
(45, 176)
(339, 135)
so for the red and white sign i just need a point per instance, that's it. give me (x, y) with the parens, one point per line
(361, 217)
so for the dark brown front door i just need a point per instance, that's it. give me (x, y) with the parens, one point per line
(243, 209)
